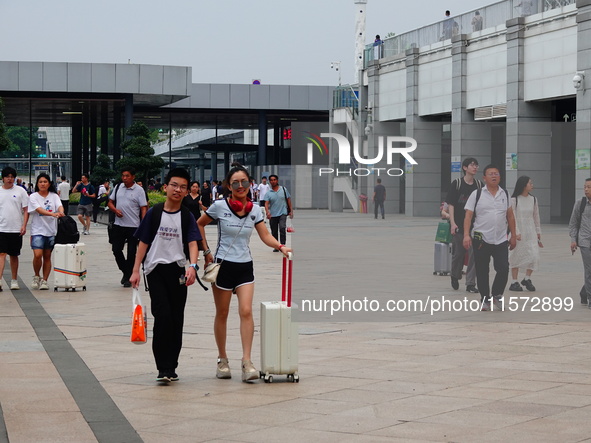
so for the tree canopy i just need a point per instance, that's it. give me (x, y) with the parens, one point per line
(139, 154)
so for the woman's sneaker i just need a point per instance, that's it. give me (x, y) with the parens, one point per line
(248, 371)
(528, 285)
(223, 369)
(43, 285)
(35, 283)
(515, 287)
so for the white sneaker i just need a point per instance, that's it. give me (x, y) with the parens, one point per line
(44, 286)
(248, 371)
(223, 369)
(14, 285)
(35, 284)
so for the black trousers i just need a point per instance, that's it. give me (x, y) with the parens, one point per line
(482, 255)
(118, 237)
(278, 228)
(168, 298)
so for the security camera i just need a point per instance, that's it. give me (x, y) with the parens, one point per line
(579, 80)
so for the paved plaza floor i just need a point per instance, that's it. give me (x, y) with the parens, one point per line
(69, 373)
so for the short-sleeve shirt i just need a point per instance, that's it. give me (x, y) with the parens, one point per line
(85, 199)
(43, 224)
(234, 231)
(458, 199)
(12, 202)
(167, 246)
(277, 201)
(380, 192)
(491, 215)
(129, 202)
(64, 190)
(263, 189)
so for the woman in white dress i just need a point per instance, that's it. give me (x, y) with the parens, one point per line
(526, 254)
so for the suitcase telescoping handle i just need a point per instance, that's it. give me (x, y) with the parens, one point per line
(286, 279)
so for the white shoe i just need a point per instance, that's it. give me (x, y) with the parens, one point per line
(223, 369)
(36, 281)
(14, 285)
(44, 286)
(248, 371)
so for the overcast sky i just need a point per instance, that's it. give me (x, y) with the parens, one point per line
(224, 41)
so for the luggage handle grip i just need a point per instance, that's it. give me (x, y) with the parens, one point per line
(286, 282)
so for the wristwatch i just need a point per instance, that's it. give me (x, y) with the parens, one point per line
(194, 266)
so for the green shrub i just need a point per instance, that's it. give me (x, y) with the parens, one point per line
(155, 197)
(75, 197)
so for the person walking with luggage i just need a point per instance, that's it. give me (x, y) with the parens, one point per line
(278, 208)
(492, 213)
(163, 247)
(526, 254)
(101, 196)
(87, 195)
(579, 228)
(45, 208)
(236, 222)
(459, 191)
(379, 196)
(128, 203)
(14, 216)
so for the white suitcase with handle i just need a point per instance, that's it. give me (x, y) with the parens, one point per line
(69, 266)
(279, 334)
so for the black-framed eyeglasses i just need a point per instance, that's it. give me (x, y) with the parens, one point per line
(244, 183)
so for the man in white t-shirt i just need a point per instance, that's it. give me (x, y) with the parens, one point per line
(63, 190)
(13, 223)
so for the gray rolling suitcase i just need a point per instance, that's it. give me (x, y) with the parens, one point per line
(442, 259)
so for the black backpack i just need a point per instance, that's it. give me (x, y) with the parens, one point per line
(67, 231)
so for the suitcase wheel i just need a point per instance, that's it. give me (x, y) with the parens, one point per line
(296, 378)
(54, 289)
(84, 288)
(268, 379)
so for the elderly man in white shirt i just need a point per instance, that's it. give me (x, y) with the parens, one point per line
(490, 207)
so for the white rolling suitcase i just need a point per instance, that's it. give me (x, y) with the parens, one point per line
(69, 267)
(442, 258)
(279, 334)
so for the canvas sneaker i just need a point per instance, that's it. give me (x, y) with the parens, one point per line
(44, 286)
(223, 369)
(14, 285)
(35, 283)
(248, 371)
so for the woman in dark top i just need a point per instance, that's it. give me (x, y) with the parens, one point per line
(193, 199)
(206, 195)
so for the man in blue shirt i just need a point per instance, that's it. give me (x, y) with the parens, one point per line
(278, 207)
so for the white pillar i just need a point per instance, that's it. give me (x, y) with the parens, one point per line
(359, 36)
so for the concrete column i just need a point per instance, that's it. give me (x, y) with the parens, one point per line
(105, 128)
(262, 152)
(76, 168)
(468, 138)
(93, 135)
(86, 139)
(425, 178)
(583, 131)
(529, 128)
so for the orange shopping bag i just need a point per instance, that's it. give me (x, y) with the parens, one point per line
(139, 323)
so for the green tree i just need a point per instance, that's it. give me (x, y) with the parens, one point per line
(102, 170)
(4, 141)
(20, 142)
(138, 153)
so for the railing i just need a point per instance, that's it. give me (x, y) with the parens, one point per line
(346, 97)
(475, 20)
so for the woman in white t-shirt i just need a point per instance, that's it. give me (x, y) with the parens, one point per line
(236, 222)
(45, 208)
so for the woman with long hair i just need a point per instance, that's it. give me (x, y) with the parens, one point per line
(45, 208)
(237, 218)
(526, 254)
